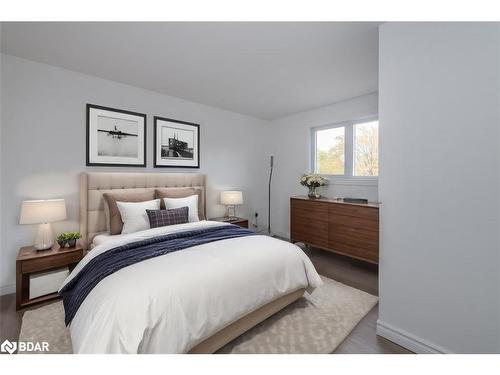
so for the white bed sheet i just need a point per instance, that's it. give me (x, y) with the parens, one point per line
(171, 303)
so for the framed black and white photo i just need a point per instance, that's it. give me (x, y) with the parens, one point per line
(176, 143)
(115, 137)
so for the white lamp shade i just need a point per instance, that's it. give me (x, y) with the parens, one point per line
(42, 211)
(231, 198)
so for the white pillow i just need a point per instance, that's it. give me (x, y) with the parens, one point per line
(134, 214)
(190, 202)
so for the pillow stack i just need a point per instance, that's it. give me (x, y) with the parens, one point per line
(133, 211)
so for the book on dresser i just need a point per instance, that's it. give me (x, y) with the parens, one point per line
(350, 229)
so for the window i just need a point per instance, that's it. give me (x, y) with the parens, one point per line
(365, 149)
(330, 151)
(348, 150)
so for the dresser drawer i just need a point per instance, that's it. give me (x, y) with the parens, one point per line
(368, 213)
(368, 224)
(309, 232)
(357, 237)
(355, 251)
(355, 241)
(317, 211)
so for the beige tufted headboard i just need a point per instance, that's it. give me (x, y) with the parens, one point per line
(93, 185)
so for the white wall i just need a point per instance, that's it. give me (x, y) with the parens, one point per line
(2, 291)
(43, 145)
(439, 184)
(290, 142)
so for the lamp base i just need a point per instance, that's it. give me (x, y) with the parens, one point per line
(44, 237)
(230, 213)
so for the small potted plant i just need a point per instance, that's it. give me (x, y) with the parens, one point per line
(62, 240)
(72, 238)
(312, 182)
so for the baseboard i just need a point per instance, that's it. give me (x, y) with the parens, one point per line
(408, 340)
(7, 289)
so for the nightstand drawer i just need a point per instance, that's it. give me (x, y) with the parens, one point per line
(46, 263)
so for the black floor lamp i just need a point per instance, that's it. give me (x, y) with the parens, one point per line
(269, 195)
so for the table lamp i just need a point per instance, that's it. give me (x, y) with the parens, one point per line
(43, 212)
(231, 198)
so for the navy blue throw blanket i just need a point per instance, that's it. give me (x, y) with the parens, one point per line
(77, 289)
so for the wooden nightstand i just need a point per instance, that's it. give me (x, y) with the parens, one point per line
(30, 260)
(238, 221)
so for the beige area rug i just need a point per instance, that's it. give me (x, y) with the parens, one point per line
(315, 323)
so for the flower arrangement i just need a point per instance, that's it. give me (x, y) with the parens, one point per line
(312, 182)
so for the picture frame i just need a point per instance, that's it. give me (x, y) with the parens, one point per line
(176, 143)
(115, 137)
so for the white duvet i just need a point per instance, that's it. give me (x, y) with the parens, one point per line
(170, 303)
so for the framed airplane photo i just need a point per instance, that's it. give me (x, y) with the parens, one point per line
(176, 143)
(115, 138)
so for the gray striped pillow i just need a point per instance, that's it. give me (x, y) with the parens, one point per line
(162, 218)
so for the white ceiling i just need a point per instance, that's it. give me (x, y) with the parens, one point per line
(266, 70)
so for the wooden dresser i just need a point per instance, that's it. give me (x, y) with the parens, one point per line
(345, 228)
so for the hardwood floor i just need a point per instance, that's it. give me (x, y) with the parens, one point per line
(10, 322)
(364, 276)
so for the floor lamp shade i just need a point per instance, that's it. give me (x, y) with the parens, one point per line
(43, 212)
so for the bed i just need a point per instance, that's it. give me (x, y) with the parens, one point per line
(191, 301)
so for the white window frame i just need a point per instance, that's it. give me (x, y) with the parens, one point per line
(348, 177)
